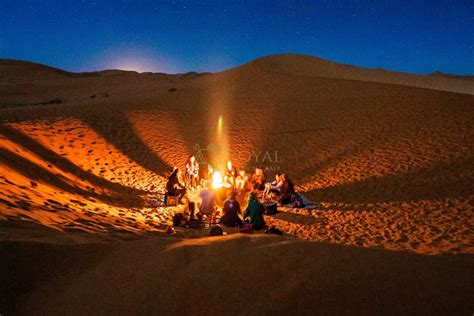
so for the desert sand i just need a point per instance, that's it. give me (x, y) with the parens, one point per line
(386, 157)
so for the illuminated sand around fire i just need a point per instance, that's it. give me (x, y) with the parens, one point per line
(389, 166)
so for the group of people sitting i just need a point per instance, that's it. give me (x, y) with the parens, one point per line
(236, 185)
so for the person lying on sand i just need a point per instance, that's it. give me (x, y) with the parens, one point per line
(231, 211)
(174, 187)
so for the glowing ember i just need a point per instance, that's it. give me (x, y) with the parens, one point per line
(217, 180)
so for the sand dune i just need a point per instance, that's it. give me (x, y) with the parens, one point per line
(386, 157)
(232, 275)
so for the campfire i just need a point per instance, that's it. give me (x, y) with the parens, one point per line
(217, 181)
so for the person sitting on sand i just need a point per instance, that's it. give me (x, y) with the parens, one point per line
(287, 190)
(230, 175)
(258, 179)
(231, 211)
(275, 186)
(241, 182)
(192, 172)
(254, 211)
(207, 205)
(174, 187)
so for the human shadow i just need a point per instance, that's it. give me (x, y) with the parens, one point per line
(111, 124)
(121, 195)
(444, 180)
(117, 131)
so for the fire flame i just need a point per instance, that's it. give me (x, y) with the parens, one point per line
(217, 180)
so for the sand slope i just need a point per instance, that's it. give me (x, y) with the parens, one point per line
(232, 275)
(387, 164)
(386, 157)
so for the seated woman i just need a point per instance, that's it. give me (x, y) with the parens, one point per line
(258, 179)
(192, 172)
(286, 190)
(254, 211)
(241, 182)
(231, 211)
(207, 205)
(174, 187)
(275, 186)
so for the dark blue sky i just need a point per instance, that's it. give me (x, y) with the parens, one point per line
(180, 36)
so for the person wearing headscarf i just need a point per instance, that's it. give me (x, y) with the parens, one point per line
(254, 211)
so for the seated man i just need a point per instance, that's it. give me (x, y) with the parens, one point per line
(231, 211)
(258, 179)
(207, 205)
(174, 187)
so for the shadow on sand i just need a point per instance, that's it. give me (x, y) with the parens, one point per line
(34, 172)
(449, 180)
(294, 276)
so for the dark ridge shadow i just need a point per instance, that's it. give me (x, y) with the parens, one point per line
(115, 129)
(61, 162)
(118, 132)
(310, 171)
(446, 180)
(36, 173)
(29, 169)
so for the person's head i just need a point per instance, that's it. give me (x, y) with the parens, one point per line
(229, 165)
(258, 171)
(210, 169)
(278, 177)
(174, 172)
(242, 173)
(192, 159)
(252, 196)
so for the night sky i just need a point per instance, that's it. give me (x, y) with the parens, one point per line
(180, 36)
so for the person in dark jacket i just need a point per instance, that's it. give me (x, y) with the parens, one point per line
(174, 187)
(286, 190)
(231, 211)
(254, 211)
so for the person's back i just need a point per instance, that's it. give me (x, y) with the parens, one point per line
(231, 212)
(254, 211)
(207, 202)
